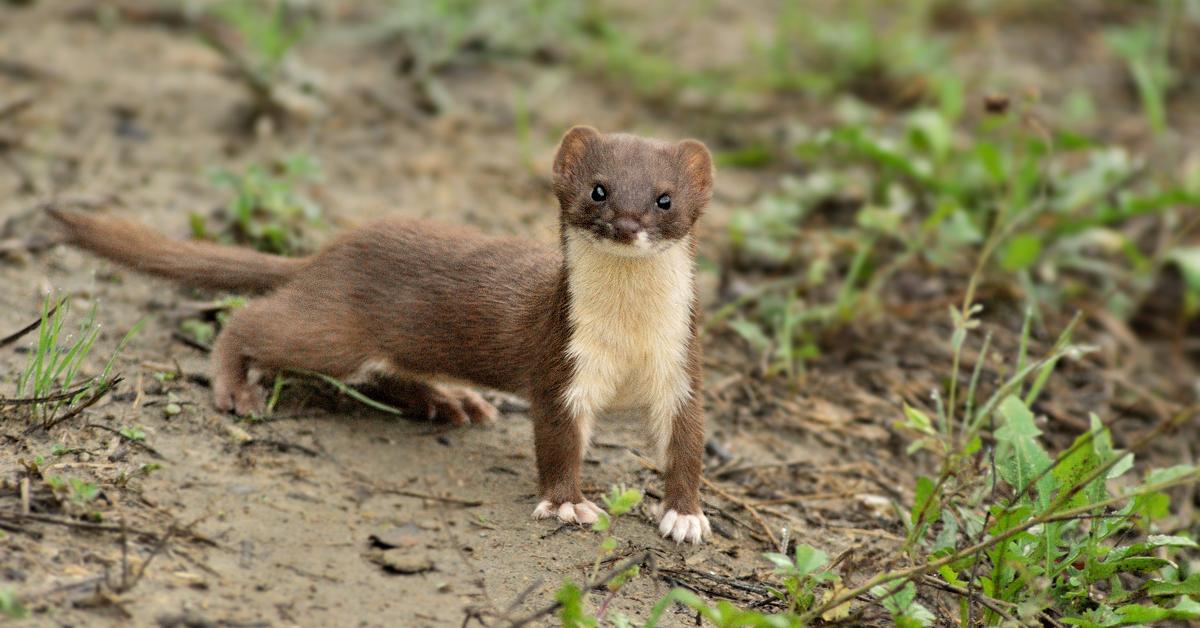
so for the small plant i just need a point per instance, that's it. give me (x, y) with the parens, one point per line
(49, 369)
(268, 211)
(266, 33)
(133, 433)
(903, 606)
(49, 387)
(800, 576)
(573, 600)
(79, 491)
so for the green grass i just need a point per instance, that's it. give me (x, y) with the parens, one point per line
(50, 385)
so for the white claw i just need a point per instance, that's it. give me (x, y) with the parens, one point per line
(667, 523)
(691, 528)
(566, 512)
(544, 510)
(584, 512)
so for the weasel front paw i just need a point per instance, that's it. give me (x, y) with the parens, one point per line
(690, 528)
(584, 512)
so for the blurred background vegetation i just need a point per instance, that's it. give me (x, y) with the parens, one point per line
(899, 146)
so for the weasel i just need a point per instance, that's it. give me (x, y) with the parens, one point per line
(608, 321)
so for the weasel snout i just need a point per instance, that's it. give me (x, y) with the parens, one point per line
(625, 229)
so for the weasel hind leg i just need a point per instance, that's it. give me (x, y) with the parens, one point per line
(233, 389)
(454, 404)
(282, 332)
(274, 334)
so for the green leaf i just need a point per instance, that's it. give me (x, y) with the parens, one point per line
(572, 613)
(1018, 424)
(1021, 252)
(809, 559)
(926, 505)
(1169, 474)
(133, 433)
(83, 491)
(1151, 505)
(1152, 542)
(1005, 521)
(1138, 614)
(780, 560)
(947, 537)
(949, 575)
(1027, 459)
(902, 604)
(1136, 564)
(620, 579)
(1078, 465)
(1121, 467)
(929, 131)
(621, 500)
(1163, 540)
(751, 332)
(1190, 586)
(988, 155)
(918, 421)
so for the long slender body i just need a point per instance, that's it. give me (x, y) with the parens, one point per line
(607, 321)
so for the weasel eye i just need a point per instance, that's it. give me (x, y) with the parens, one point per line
(599, 194)
(664, 201)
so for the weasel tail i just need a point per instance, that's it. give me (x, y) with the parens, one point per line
(199, 264)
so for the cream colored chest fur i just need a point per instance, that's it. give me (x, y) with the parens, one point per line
(632, 325)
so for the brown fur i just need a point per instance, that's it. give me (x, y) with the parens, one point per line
(198, 264)
(407, 303)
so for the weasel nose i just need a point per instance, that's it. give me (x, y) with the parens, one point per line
(625, 228)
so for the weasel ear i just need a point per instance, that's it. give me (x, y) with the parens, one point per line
(572, 148)
(697, 166)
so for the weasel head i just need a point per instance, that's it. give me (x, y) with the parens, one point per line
(630, 196)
